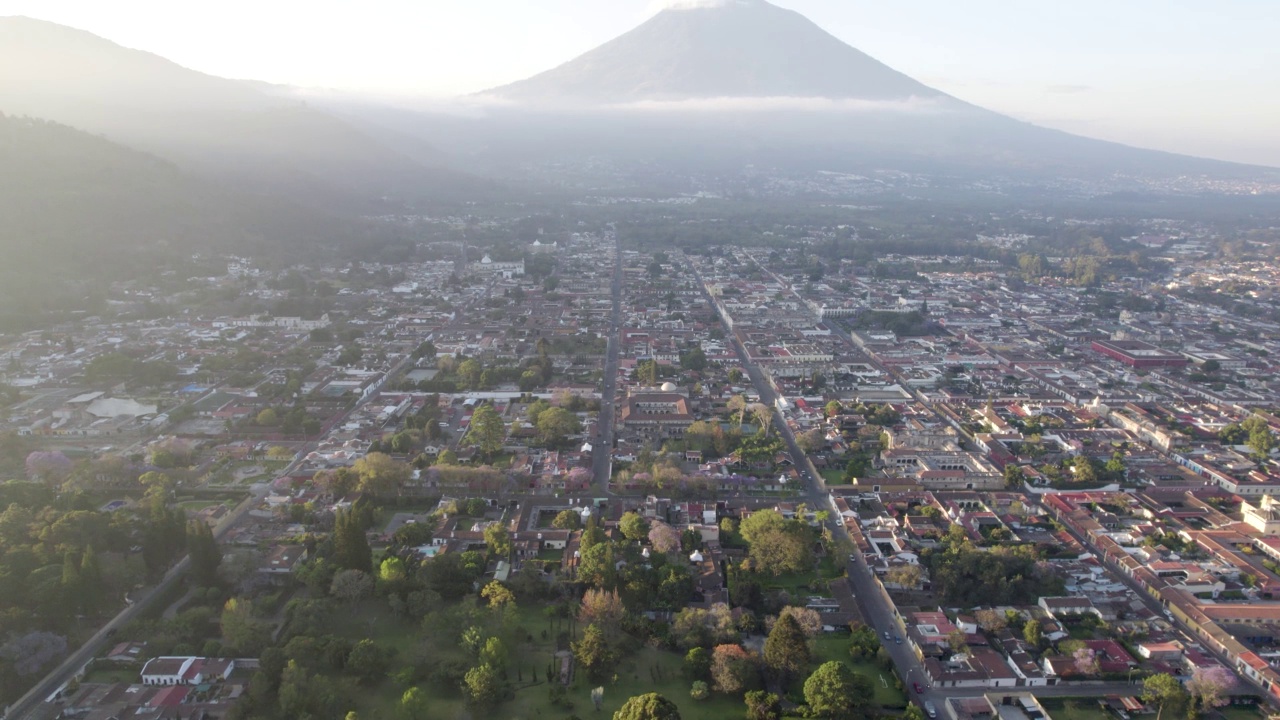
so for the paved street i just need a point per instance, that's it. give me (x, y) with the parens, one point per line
(602, 454)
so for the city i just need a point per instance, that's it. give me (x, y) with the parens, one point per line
(985, 484)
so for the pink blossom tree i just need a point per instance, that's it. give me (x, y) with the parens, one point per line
(664, 538)
(1210, 686)
(52, 467)
(1086, 661)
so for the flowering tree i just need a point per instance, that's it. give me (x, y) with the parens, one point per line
(48, 466)
(1086, 661)
(34, 651)
(664, 538)
(578, 477)
(1210, 686)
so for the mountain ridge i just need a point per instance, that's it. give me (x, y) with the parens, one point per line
(229, 129)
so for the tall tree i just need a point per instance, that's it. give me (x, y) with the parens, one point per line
(487, 431)
(204, 552)
(786, 650)
(498, 539)
(594, 654)
(241, 631)
(350, 544)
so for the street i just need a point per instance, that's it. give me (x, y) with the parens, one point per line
(602, 449)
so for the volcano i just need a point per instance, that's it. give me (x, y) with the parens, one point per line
(733, 48)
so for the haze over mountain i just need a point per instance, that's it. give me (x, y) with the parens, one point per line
(78, 209)
(736, 48)
(745, 82)
(239, 131)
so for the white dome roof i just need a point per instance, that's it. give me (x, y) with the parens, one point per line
(669, 387)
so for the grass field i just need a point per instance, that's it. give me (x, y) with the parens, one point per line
(836, 647)
(646, 670)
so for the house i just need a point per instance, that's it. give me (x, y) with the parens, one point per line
(185, 670)
(1162, 651)
(283, 560)
(1057, 607)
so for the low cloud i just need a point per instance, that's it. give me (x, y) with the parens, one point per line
(1068, 89)
(695, 4)
(913, 105)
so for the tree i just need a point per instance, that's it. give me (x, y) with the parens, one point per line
(594, 654)
(204, 552)
(350, 544)
(834, 691)
(470, 371)
(763, 705)
(650, 706)
(1209, 687)
(782, 551)
(494, 653)
(991, 621)
(833, 408)
(733, 669)
(697, 664)
(498, 540)
(786, 650)
(905, 576)
(664, 538)
(603, 609)
(567, 520)
(913, 712)
(737, 405)
(380, 475)
(647, 373)
(368, 661)
(487, 430)
(498, 595)
(699, 690)
(759, 522)
(808, 619)
(1086, 661)
(1260, 440)
(695, 360)
(1032, 633)
(1165, 691)
(414, 705)
(633, 526)
(555, 425)
(811, 441)
(483, 686)
(268, 418)
(240, 630)
(351, 585)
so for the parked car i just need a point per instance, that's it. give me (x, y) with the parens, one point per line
(929, 709)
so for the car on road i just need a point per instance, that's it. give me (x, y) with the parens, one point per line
(929, 709)
(916, 686)
(897, 639)
(887, 635)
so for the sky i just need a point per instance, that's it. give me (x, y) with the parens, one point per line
(1182, 75)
